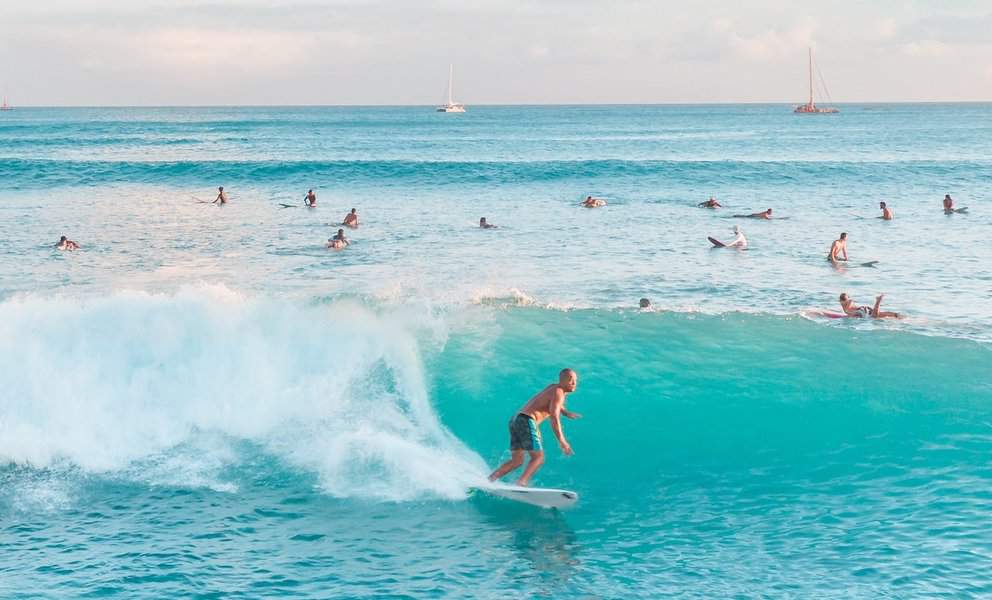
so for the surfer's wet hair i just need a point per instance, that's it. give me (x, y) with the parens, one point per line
(565, 372)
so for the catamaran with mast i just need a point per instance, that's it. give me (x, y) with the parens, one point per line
(450, 105)
(810, 107)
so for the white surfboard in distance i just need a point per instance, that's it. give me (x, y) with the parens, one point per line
(543, 497)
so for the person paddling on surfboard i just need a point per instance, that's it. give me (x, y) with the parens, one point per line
(838, 249)
(525, 427)
(711, 203)
(765, 214)
(853, 310)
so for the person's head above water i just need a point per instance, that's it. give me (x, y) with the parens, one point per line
(881, 205)
(63, 239)
(645, 303)
(220, 189)
(843, 235)
(843, 298)
(568, 380)
(353, 211)
(737, 229)
(341, 232)
(769, 211)
(947, 196)
(482, 220)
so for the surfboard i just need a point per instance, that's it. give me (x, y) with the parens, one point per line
(543, 497)
(716, 243)
(284, 205)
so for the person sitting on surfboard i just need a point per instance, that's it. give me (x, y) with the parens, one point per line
(711, 203)
(310, 199)
(591, 202)
(886, 211)
(221, 196)
(351, 219)
(525, 427)
(765, 214)
(838, 248)
(338, 241)
(66, 244)
(853, 310)
(740, 242)
(948, 203)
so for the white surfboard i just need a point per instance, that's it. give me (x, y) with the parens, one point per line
(543, 497)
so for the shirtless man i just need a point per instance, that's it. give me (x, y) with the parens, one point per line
(591, 202)
(310, 199)
(740, 242)
(765, 214)
(338, 241)
(853, 310)
(66, 244)
(838, 249)
(221, 196)
(525, 427)
(351, 219)
(711, 203)
(483, 224)
(886, 211)
(948, 203)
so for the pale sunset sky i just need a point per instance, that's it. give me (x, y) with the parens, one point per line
(186, 52)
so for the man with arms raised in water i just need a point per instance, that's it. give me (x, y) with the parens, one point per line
(886, 211)
(838, 248)
(221, 196)
(351, 219)
(525, 427)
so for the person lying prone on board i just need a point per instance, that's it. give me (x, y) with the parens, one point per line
(525, 427)
(765, 214)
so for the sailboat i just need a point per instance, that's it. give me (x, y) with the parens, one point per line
(810, 107)
(451, 106)
(6, 106)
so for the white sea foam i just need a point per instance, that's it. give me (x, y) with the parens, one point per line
(134, 378)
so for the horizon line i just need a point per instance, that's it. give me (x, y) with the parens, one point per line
(508, 104)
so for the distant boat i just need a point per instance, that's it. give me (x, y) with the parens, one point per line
(451, 106)
(6, 106)
(811, 107)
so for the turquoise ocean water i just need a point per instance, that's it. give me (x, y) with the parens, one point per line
(204, 402)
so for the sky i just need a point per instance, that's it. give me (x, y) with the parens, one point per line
(343, 52)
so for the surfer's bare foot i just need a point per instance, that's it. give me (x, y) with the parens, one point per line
(523, 482)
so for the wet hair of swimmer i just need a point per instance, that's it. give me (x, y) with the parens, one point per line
(340, 231)
(843, 236)
(63, 239)
(353, 211)
(769, 211)
(843, 297)
(482, 220)
(221, 188)
(645, 303)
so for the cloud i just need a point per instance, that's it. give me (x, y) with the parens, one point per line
(926, 49)
(770, 44)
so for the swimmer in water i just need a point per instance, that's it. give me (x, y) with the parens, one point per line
(711, 203)
(838, 249)
(886, 211)
(66, 244)
(863, 312)
(485, 225)
(645, 303)
(338, 241)
(351, 219)
(310, 199)
(221, 196)
(948, 204)
(765, 214)
(591, 202)
(525, 427)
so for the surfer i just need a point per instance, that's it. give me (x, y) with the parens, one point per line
(351, 219)
(483, 224)
(765, 214)
(853, 310)
(886, 211)
(838, 248)
(221, 196)
(310, 199)
(66, 244)
(645, 303)
(711, 203)
(948, 204)
(339, 241)
(591, 202)
(525, 427)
